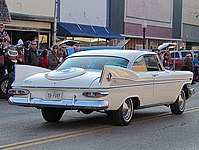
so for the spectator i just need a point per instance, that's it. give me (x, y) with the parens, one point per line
(20, 42)
(53, 57)
(196, 67)
(26, 48)
(166, 61)
(188, 65)
(20, 58)
(31, 55)
(160, 55)
(3, 34)
(43, 59)
(4, 39)
(63, 52)
(77, 47)
(10, 61)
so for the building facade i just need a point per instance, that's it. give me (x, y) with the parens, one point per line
(86, 21)
(158, 15)
(191, 23)
(31, 20)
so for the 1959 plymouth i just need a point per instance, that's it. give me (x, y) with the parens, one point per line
(112, 81)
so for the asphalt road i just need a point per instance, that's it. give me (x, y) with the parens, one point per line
(151, 129)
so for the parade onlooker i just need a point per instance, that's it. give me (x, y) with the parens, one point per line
(77, 47)
(26, 48)
(188, 65)
(32, 55)
(196, 67)
(20, 42)
(4, 40)
(10, 61)
(53, 57)
(63, 53)
(20, 58)
(166, 61)
(43, 59)
(3, 34)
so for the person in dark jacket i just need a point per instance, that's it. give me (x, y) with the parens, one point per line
(53, 57)
(43, 59)
(26, 48)
(32, 55)
(20, 58)
(188, 65)
(10, 61)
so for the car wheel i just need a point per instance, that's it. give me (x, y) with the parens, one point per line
(3, 85)
(124, 114)
(179, 106)
(52, 114)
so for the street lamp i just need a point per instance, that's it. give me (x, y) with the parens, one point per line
(144, 26)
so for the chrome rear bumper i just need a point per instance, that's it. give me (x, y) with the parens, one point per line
(67, 104)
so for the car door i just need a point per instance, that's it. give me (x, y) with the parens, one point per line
(176, 60)
(144, 82)
(164, 84)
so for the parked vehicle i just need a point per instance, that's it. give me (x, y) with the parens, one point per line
(3, 77)
(168, 46)
(115, 82)
(177, 57)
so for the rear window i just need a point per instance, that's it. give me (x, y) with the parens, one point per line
(185, 53)
(175, 55)
(94, 62)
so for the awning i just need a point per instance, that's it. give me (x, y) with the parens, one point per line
(80, 30)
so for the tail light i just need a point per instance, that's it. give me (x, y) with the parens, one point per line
(94, 94)
(18, 92)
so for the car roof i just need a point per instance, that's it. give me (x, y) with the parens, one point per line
(68, 42)
(128, 54)
(185, 51)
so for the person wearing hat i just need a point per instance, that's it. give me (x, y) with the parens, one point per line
(10, 61)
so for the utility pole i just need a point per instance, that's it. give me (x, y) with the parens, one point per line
(55, 23)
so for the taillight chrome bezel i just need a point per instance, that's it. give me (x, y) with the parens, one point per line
(18, 91)
(95, 93)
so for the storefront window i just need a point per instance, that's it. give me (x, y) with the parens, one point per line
(43, 41)
(86, 41)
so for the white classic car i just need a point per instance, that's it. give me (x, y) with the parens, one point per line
(112, 81)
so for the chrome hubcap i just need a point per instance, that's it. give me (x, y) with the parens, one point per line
(4, 85)
(181, 101)
(127, 110)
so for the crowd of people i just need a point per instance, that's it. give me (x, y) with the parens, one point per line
(189, 63)
(27, 53)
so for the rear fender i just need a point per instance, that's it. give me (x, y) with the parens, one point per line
(116, 76)
(24, 71)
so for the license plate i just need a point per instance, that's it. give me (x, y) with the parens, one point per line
(54, 95)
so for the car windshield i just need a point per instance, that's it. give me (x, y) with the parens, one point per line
(94, 62)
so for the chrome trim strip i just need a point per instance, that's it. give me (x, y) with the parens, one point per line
(152, 79)
(67, 104)
(154, 105)
(119, 86)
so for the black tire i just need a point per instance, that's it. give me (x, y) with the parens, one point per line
(124, 114)
(179, 106)
(87, 112)
(52, 114)
(3, 85)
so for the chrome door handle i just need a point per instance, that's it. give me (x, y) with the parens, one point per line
(155, 75)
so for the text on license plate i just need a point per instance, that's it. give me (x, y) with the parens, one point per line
(54, 95)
